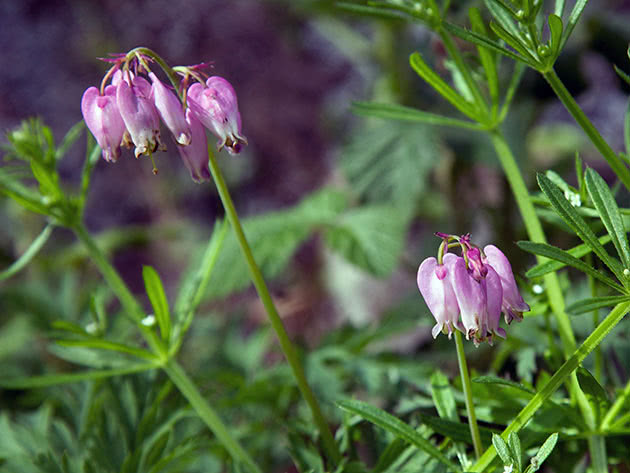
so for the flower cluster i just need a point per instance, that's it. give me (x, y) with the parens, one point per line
(469, 292)
(127, 112)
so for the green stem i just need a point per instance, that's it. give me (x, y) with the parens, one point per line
(175, 372)
(569, 366)
(615, 408)
(615, 162)
(179, 377)
(276, 322)
(470, 407)
(536, 234)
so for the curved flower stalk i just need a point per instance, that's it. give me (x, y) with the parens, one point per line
(469, 292)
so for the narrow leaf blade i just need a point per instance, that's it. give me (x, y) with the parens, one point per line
(400, 112)
(591, 304)
(157, 296)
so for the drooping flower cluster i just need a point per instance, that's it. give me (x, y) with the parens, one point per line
(127, 112)
(469, 292)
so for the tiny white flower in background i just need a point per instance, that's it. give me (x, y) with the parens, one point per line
(91, 328)
(148, 321)
(573, 198)
(537, 288)
(626, 272)
(508, 468)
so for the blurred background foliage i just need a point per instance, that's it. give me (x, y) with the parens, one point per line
(339, 209)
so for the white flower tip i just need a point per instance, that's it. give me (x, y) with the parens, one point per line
(91, 328)
(184, 139)
(148, 321)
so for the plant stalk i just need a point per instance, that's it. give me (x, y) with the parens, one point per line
(470, 407)
(568, 367)
(274, 318)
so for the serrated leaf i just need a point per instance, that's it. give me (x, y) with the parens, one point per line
(594, 303)
(396, 427)
(370, 237)
(502, 449)
(606, 206)
(571, 217)
(400, 112)
(157, 296)
(495, 380)
(548, 251)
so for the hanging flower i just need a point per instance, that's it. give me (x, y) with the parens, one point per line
(103, 119)
(170, 110)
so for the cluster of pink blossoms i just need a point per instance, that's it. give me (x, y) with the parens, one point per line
(469, 292)
(127, 113)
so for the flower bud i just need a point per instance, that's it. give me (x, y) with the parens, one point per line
(103, 119)
(216, 107)
(170, 110)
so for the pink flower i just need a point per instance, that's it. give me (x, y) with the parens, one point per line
(435, 287)
(195, 155)
(139, 114)
(512, 303)
(103, 118)
(171, 111)
(216, 107)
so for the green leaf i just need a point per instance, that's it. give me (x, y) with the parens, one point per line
(544, 451)
(456, 431)
(482, 41)
(71, 137)
(502, 382)
(626, 127)
(571, 217)
(559, 8)
(400, 112)
(515, 42)
(588, 305)
(515, 80)
(625, 77)
(371, 237)
(502, 449)
(101, 344)
(23, 195)
(574, 17)
(576, 251)
(47, 178)
(443, 396)
(555, 29)
(504, 16)
(43, 381)
(515, 447)
(29, 254)
(606, 206)
(566, 258)
(594, 391)
(367, 10)
(396, 427)
(157, 296)
(488, 61)
(445, 90)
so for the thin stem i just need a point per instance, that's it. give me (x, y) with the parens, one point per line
(536, 234)
(598, 351)
(615, 408)
(274, 318)
(470, 407)
(175, 372)
(569, 366)
(615, 162)
(207, 414)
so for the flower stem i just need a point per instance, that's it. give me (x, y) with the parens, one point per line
(470, 407)
(274, 318)
(179, 377)
(615, 162)
(569, 366)
(175, 372)
(535, 233)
